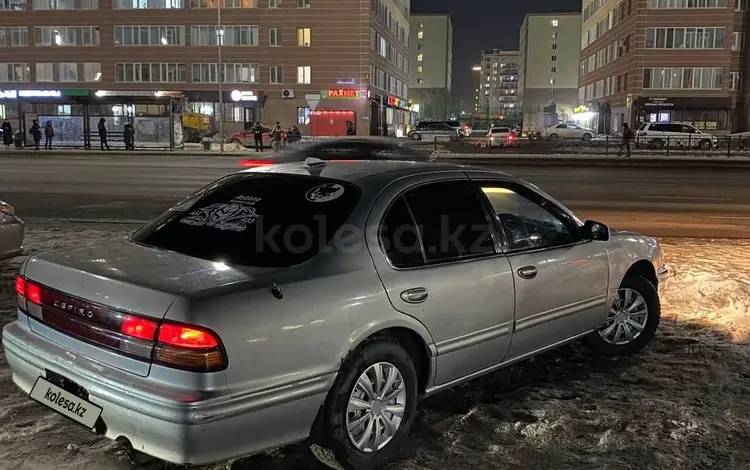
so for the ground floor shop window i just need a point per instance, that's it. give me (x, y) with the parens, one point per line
(303, 116)
(709, 120)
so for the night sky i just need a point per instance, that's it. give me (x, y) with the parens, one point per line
(484, 24)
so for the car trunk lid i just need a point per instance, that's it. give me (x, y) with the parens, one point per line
(81, 297)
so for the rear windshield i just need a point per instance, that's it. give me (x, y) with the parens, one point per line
(266, 220)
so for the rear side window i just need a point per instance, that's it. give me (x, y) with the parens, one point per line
(265, 220)
(643, 126)
(399, 237)
(451, 220)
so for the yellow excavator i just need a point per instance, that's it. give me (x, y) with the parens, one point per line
(196, 126)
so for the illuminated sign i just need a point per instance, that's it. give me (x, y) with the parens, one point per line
(13, 94)
(345, 81)
(238, 95)
(341, 93)
(581, 109)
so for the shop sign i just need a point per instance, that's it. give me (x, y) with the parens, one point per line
(658, 103)
(157, 94)
(345, 81)
(399, 103)
(581, 109)
(14, 94)
(238, 95)
(340, 93)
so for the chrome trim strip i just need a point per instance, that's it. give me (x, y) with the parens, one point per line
(473, 339)
(559, 312)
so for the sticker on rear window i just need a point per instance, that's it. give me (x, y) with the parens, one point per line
(234, 215)
(325, 192)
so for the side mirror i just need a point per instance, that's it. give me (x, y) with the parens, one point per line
(593, 230)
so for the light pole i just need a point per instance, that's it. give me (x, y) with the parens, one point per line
(220, 67)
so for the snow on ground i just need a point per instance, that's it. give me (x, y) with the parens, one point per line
(682, 403)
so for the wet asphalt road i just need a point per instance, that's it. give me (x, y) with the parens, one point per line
(706, 202)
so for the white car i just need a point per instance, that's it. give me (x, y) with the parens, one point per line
(674, 134)
(501, 137)
(11, 232)
(568, 131)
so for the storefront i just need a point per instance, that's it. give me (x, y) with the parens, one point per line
(709, 114)
(242, 107)
(337, 112)
(390, 115)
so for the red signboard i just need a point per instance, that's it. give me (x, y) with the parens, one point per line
(343, 93)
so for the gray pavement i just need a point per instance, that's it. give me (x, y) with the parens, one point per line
(679, 202)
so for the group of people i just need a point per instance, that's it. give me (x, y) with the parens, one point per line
(279, 138)
(36, 132)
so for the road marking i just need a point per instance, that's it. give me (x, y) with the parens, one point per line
(706, 198)
(728, 217)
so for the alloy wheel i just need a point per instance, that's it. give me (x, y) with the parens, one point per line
(627, 318)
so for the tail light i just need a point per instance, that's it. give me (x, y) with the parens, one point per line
(255, 163)
(172, 344)
(7, 209)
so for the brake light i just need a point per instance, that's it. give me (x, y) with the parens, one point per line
(176, 345)
(140, 328)
(254, 163)
(28, 291)
(186, 336)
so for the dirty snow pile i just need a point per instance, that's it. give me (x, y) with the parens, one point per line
(682, 403)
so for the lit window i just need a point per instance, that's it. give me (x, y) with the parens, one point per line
(554, 35)
(554, 23)
(420, 35)
(551, 81)
(419, 69)
(303, 74)
(303, 37)
(419, 80)
(420, 58)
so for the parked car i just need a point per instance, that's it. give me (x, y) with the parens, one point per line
(246, 138)
(11, 232)
(673, 134)
(300, 300)
(501, 137)
(568, 131)
(433, 130)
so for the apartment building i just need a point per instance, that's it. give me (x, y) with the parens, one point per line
(497, 93)
(664, 60)
(548, 60)
(277, 60)
(431, 65)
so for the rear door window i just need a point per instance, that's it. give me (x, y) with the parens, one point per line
(265, 220)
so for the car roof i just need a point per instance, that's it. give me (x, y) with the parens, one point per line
(354, 171)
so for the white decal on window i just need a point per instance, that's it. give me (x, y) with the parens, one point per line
(234, 215)
(325, 192)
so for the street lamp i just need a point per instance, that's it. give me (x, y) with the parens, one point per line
(220, 69)
(476, 68)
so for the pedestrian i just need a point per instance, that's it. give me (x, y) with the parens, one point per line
(350, 129)
(294, 135)
(276, 137)
(102, 127)
(36, 133)
(49, 133)
(7, 134)
(258, 137)
(128, 137)
(627, 137)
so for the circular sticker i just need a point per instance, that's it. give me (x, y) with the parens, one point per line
(325, 192)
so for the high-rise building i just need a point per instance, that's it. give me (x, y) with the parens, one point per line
(548, 72)
(129, 60)
(498, 85)
(664, 60)
(431, 64)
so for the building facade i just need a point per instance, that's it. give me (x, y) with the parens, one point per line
(128, 60)
(431, 65)
(664, 60)
(497, 94)
(548, 48)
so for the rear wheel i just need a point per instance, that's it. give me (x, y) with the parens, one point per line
(586, 137)
(416, 136)
(704, 145)
(370, 409)
(632, 321)
(553, 137)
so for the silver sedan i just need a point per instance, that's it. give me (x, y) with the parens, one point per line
(320, 301)
(11, 232)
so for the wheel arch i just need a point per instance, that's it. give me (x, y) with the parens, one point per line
(644, 268)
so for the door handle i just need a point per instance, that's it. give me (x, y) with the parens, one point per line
(414, 296)
(527, 272)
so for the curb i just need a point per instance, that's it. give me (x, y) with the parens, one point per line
(595, 162)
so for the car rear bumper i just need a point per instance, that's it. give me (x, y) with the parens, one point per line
(11, 236)
(164, 422)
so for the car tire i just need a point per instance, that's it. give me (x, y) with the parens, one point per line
(704, 144)
(586, 137)
(634, 284)
(553, 137)
(416, 136)
(330, 440)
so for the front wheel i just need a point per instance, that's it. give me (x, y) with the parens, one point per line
(416, 136)
(632, 321)
(586, 137)
(370, 409)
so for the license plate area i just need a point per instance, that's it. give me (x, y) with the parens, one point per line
(66, 384)
(65, 402)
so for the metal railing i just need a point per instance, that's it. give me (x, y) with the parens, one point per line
(690, 145)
